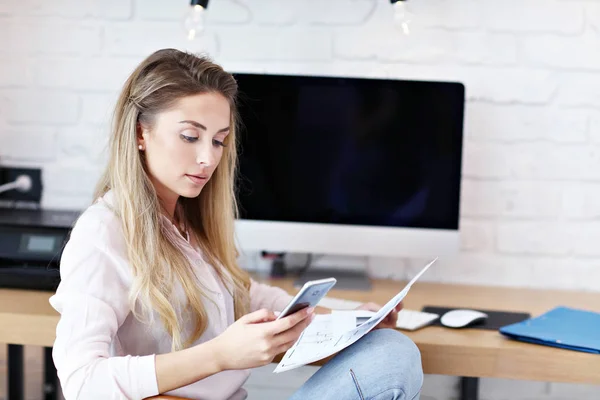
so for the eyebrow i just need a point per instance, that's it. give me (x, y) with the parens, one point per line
(200, 126)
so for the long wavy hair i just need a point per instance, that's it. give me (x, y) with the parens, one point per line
(157, 263)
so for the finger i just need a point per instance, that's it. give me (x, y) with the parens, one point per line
(261, 315)
(282, 348)
(385, 324)
(290, 322)
(370, 307)
(387, 321)
(393, 319)
(286, 323)
(294, 333)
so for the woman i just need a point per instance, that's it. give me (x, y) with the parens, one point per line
(151, 298)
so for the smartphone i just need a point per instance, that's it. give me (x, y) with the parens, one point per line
(309, 296)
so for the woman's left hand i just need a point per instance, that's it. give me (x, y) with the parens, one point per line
(389, 321)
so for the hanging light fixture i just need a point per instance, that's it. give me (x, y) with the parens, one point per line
(402, 16)
(195, 19)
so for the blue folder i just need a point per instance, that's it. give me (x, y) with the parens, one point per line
(564, 327)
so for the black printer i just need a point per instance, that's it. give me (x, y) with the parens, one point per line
(31, 244)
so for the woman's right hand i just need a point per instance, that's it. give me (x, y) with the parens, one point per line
(255, 339)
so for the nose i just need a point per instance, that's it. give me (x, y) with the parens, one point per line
(205, 155)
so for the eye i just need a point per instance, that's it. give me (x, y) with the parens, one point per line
(218, 143)
(189, 139)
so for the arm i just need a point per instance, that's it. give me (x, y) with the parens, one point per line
(181, 368)
(92, 299)
(269, 297)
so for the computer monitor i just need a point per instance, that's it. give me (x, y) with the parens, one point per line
(349, 166)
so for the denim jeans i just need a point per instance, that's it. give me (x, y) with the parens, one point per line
(383, 365)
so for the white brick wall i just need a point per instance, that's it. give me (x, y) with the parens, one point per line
(50, 107)
(531, 193)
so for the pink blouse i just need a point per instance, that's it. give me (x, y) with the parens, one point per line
(101, 351)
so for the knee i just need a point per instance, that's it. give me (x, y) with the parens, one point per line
(400, 356)
(393, 343)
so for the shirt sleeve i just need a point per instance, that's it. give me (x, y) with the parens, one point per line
(269, 297)
(92, 299)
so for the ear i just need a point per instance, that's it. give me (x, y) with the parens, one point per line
(141, 134)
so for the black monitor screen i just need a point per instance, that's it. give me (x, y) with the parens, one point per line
(350, 150)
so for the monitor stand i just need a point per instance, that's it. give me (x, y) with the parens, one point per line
(346, 279)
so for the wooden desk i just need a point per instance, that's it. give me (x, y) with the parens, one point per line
(26, 318)
(485, 353)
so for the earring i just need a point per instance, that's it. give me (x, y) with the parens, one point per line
(141, 147)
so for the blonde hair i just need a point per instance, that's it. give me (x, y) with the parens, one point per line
(157, 263)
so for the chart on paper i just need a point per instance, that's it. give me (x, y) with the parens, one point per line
(329, 334)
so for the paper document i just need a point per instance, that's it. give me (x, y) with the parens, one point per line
(328, 334)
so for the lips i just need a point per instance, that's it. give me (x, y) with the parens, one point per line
(197, 179)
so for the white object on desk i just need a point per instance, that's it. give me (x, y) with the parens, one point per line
(461, 318)
(409, 320)
(339, 304)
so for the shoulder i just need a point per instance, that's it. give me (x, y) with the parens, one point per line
(94, 266)
(96, 248)
(99, 225)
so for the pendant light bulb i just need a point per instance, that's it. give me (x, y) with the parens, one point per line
(195, 19)
(402, 16)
